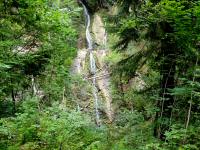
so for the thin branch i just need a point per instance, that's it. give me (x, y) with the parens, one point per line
(191, 98)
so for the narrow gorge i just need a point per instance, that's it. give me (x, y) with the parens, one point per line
(97, 75)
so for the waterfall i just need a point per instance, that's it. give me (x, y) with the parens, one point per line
(88, 36)
(92, 63)
(33, 86)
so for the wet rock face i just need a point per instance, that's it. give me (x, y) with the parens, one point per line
(98, 30)
(103, 76)
(14, 10)
(81, 42)
(79, 62)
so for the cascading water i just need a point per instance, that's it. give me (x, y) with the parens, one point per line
(92, 63)
(33, 86)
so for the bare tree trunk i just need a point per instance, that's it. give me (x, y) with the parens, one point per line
(191, 98)
(13, 101)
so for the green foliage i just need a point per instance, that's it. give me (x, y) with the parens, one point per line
(183, 138)
(161, 36)
(178, 138)
(51, 128)
(37, 40)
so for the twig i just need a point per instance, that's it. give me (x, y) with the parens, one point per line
(191, 97)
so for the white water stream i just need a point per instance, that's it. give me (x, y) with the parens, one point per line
(92, 63)
(33, 86)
